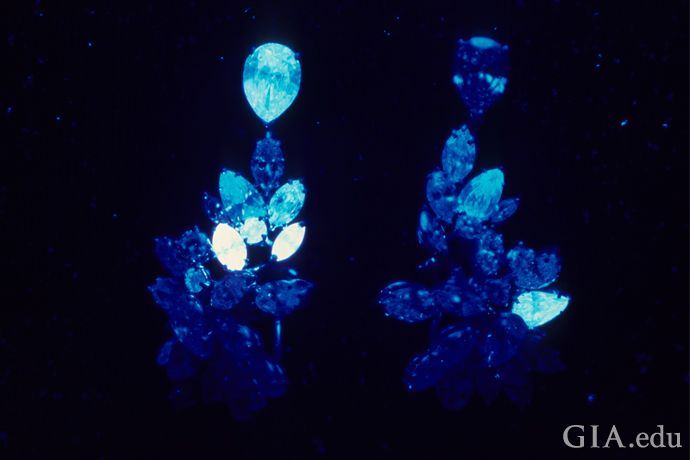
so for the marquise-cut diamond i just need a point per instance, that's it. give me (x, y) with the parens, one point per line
(271, 78)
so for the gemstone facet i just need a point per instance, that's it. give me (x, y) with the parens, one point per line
(271, 78)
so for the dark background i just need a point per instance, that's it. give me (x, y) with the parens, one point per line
(117, 116)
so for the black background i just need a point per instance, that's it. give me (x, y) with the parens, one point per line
(117, 116)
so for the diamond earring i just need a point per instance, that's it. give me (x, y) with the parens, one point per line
(485, 316)
(214, 352)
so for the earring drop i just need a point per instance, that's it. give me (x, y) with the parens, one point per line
(487, 311)
(216, 292)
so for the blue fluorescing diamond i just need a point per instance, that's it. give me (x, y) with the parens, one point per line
(271, 77)
(538, 307)
(481, 195)
(230, 290)
(468, 227)
(197, 278)
(430, 232)
(459, 154)
(533, 271)
(490, 253)
(195, 247)
(449, 298)
(442, 195)
(282, 297)
(240, 198)
(268, 163)
(504, 210)
(421, 373)
(407, 301)
(286, 203)
(480, 69)
(213, 208)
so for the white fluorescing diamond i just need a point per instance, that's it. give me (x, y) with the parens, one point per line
(271, 78)
(229, 247)
(288, 241)
(538, 307)
(253, 230)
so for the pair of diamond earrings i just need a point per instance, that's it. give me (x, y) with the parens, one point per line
(484, 317)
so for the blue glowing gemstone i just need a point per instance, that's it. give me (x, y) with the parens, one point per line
(480, 196)
(253, 230)
(166, 292)
(533, 271)
(235, 338)
(489, 255)
(197, 278)
(442, 195)
(459, 154)
(539, 307)
(285, 204)
(504, 210)
(271, 80)
(282, 297)
(166, 349)
(502, 339)
(267, 163)
(240, 198)
(195, 247)
(430, 232)
(407, 301)
(480, 69)
(498, 291)
(230, 290)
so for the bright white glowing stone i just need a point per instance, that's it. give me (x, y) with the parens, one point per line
(288, 241)
(253, 230)
(229, 247)
(538, 307)
(271, 78)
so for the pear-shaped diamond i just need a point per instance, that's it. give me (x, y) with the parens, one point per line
(271, 78)
(288, 241)
(240, 198)
(286, 204)
(481, 195)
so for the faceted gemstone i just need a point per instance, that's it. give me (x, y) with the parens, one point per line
(194, 246)
(407, 301)
(481, 195)
(268, 163)
(282, 297)
(490, 253)
(197, 278)
(253, 230)
(240, 198)
(430, 232)
(502, 339)
(212, 208)
(166, 292)
(170, 257)
(285, 204)
(480, 69)
(497, 291)
(504, 210)
(459, 154)
(539, 307)
(189, 324)
(230, 290)
(442, 195)
(271, 78)
(229, 247)
(533, 271)
(288, 241)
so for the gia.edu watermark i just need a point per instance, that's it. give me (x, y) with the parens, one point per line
(574, 436)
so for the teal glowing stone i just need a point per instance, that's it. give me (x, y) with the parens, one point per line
(272, 75)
